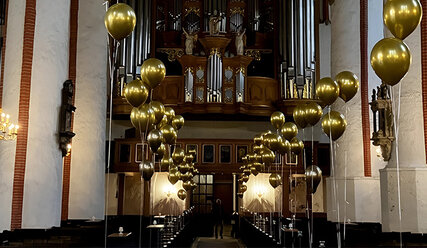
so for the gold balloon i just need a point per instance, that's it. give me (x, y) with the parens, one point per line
(182, 194)
(147, 170)
(267, 156)
(327, 90)
(189, 157)
(170, 114)
(178, 155)
(163, 122)
(136, 93)
(153, 71)
(120, 20)
(159, 111)
(313, 176)
(275, 180)
(349, 84)
(186, 176)
(187, 185)
(169, 134)
(142, 118)
(402, 17)
(243, 188)
(247, 172)
(240, 194)
(251, 157)
(334, 124)
(390, 59)
(277, 119)
(154, 139)
(289, 130)
(257, 148)
(275, 141)
(177, 122)
(184, 168)
(165, 163)
(313, 113)
(161, 151)
(257, 166)
(173, 177)
(296, 146)
(258, 139)
(193, 185)
(254, 171)
(284, 147)
(245, 178)
(299, 115)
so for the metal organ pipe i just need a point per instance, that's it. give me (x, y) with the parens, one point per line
(298, 49)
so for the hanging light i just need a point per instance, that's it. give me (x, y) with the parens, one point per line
(8, 130)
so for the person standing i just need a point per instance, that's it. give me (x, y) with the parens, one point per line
(218, 214)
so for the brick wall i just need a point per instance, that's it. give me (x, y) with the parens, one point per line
(23, 114)
(424, 68)
(74, 12)
(364, 88)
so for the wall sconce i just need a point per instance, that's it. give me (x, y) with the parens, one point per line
(67, 109)
(383, 120)
(8, 130)
(260, 190)
(68, 150)
(169, 190)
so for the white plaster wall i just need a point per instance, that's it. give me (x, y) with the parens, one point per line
(413, 200)
(410, 124)
(345, 55)
(11, 86)
(87, 180)
(375, 33)
(353, 191)
(42, 198)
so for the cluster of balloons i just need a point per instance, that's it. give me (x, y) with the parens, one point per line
(266, 146)
(181, 167)
(345, 85)
(157, 124)
(391, 57)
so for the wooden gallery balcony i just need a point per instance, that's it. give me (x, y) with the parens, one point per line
(213, 84)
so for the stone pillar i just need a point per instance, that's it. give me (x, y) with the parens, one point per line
(36, 65)
(87, 175)
(411, 157)
(12, 61)
(357, 195)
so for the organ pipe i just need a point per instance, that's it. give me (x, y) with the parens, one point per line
(297, 48)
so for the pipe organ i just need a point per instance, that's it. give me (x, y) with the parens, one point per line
(297, 49)
(277, 63)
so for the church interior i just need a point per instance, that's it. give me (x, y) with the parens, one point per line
(213, 123)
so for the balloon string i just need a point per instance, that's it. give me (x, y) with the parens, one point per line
(112, 57)
(334, 182)
(140, 211)
(345, 184)
(312, 185)
(396, 131)
(307, 212)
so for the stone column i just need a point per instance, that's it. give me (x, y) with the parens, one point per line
(87, 175)
(411, 157)
(357, 195)
(10, 103)
(36, 65)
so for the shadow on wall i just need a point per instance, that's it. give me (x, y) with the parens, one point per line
(167, 206)
(260, 205)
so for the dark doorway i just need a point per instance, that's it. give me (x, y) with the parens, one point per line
(224, 191)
